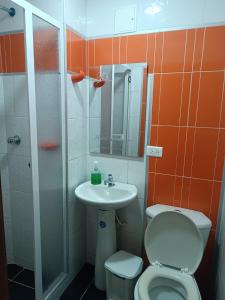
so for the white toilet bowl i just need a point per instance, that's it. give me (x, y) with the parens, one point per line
(161, 283)
(174, 247)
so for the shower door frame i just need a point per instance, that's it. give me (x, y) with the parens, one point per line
(4, 291)
(61, 282)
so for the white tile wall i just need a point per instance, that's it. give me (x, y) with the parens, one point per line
(214, 11)
(15, 90)
(162, 14)
(18, 126)
(15, 23)
(77, 251)
(8, 226)
(130, 242)
(20, 178)
(115, 166)
(136, 175)
(76, 98)
(4, 172)
(76, 173)
(94, 100)
(5, 179)
(76, 137)
(52, 8)
(75, 15)
(23, 228)
(15, 170)
(94, 129)
(76, 132)
(95, 117)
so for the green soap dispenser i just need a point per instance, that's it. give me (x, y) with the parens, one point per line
(96, 177)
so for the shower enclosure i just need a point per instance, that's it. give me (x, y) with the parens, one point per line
(32, 146)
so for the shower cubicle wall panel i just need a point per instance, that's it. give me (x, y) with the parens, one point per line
(15, 159)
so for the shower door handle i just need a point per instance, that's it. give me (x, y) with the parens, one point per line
(15, 140)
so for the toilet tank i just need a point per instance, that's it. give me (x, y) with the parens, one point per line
(203, 223)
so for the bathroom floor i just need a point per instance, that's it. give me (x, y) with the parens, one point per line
(21, 283)
(83, 287)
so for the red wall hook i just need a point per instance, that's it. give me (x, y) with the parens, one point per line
(99, 83)
(77, 77)
(49, 146)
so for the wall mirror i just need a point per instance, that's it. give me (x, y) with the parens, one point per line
(117, 110)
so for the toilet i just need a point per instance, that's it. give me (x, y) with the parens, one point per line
(175, 239)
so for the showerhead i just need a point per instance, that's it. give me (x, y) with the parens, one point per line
(11, 11)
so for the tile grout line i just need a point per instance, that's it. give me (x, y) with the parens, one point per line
(189, 103)
(94, 53)
(112, 58)
(203, 48)
(119, 49)
(153, 67)
(179, 127)
(1, 63)
(10, 51)
(87, 288)
(157, 131)
(189, 72)
(217, 146)
(5, 59)
(149, 133)
(147, 46)
(22, 284)
(183, 126)
(17, 274)
(196, 115)
(187, 177)
(127, 48)
(26, 285)
(160, 94)
(70, 46)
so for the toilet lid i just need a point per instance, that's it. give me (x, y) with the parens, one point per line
(173, 240)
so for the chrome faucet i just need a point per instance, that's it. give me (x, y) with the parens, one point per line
(109, 181)
(14, 140)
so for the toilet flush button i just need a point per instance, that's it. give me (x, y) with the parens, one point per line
(154, 151)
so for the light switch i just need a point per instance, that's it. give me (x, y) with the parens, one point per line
(154, 151)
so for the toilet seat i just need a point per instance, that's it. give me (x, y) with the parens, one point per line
(174, 247)
(173, 240)
(154, 272)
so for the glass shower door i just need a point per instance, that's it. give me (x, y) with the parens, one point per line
(50, 156)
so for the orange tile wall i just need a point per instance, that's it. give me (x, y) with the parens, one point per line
(75, 49)
(188, 116)
(12, 51)
(46, 50)
(12, 58)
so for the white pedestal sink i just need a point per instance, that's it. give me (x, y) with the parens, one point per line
(106, 200)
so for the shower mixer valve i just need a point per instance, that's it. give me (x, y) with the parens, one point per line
(16, 140)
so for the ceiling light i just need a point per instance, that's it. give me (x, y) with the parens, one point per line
(153, 9)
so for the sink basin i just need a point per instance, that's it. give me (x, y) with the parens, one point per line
(103, 197)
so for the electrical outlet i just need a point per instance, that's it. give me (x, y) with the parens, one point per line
(154, 151)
